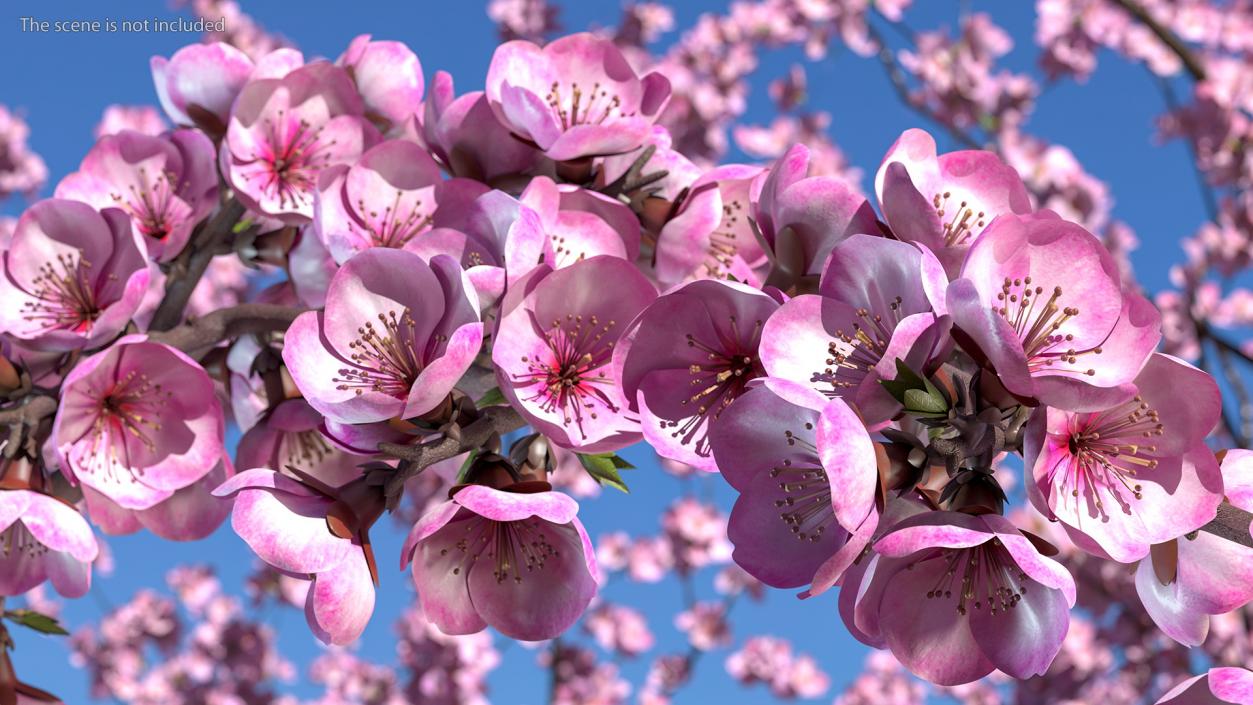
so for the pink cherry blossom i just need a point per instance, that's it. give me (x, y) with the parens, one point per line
(711, 236)
(1041, 300)
(166, 184)
(395, 337)
(462, 132)
(944, 202)
(144, 119)
(189, 514)
(539, 571)
(43, 538)
(1133, 475)
(575, 97)
(619, 629)
(954, 596)
(138, 422)
(73, 276)
(288, 436)
(879, 301)
(198, 84)
(807, 476)
(285, 523)
(554, 348)
(705, 625)
(688, 356)
(285, 131)
(580, 223)
(1211, 574)
(388, 76)
(21, 169)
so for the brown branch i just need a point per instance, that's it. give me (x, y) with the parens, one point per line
(30, 411)
(1232, 523)
(1169, 38)
(191, 264)
(495, 420)
(227, 323)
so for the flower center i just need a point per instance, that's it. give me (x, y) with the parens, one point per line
(150, 204)
(292, 154)
(572, 380)
(63, 295)
(1108, 450)
(577, 107)
(515, 548)
(854, 353)
(989, 578)
(132, 407)
(394, 226)
(384, 362)
(723, 243)
(306, 449)
(806, 507)
(963, 223)
(17, 540)
(727, 366)
(1038, 322)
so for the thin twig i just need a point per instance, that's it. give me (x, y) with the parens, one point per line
(224, 324)
(30, 411)
(1169, 38)
(1232, 523)
(192, 263)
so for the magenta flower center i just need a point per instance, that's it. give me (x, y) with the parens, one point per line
(384, 359)
(855, 353)
(291, 155)
(571, 380)
(728, 363)
(1107, 451)
(150, 205)
(514, 548)
(806, 509)
(960, 221)
(1038, 322)
(579, 108)
(395, 225)
(64, 298)
(984, 576)
(131, 406)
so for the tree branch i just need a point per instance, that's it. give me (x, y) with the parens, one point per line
(192, 263)
(494, 420)
(1232, 523)
(30, 411)
(227, 323)
(1169, 38)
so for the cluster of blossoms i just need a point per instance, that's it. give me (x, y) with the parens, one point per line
(482, 297)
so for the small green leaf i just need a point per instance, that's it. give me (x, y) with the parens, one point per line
(916, 393)
(40, 622)
(603, 467)
(492, 397)
(242, 226)
(465, 467)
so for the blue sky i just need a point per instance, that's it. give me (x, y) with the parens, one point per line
(62, 82)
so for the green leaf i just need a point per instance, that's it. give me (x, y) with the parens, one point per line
(492, 397)
(603, 467)
(916, 393)
(242, 226)
(40, 622)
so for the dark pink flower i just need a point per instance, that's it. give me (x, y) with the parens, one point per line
(464, 134)
(538, 569)
(1041, 300)
(580, 223)
(43, 538)
(72, 276)
(574, 97)
(388, 76)
(956, 596)
(198, 84)
(554, 348)
(166, 184)
(879, 300)
(285, 131)
(138, 422)
(289, 436)
(802, 217)
(1212, 575)
(285, 523)
(711, 234)
(1218, 686)
(189, 514)
(686, 358)
(807, 476)
(395, 337)
(1136, 474)
(945, 201)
